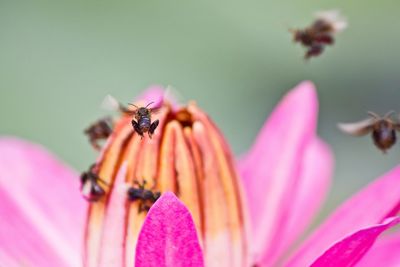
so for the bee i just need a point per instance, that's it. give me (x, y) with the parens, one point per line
(146, 197)
(90, 187)
(382, 129)
(320, 33)
(141, 121)
(99, 130)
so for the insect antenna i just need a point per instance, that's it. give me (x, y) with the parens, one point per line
(102, 181)
(130, 104)
(373, 115)
(152, 102)
(388, 115)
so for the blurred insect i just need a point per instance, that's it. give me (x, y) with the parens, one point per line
(141, 121)
(146, 197)
(383, 129)
(320, 33)
(90, 187)
(99, 130)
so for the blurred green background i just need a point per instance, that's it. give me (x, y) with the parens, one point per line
(59, 59)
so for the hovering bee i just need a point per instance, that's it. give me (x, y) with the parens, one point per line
(145, 196)
(320, 33)
(383, 129)
(141, 121)
(90, 188)
(99, 130)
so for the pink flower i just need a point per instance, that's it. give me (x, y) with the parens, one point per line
(218, 221)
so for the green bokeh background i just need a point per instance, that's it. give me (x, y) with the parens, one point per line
(236, 59)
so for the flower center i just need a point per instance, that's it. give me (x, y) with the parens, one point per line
(186, 155)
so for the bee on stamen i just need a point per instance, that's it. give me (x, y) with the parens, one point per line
(146, 197)
(100, 130)
(382, 129)
(90, 188)
(320, 33)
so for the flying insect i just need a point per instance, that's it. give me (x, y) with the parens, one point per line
(99, 130)
(146, 197)
(91, 190)
(382, 129)
(141, 121)
(320, 33)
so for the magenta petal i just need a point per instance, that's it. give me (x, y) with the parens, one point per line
(385, 252)
(315, 179)
(154, 94)
(168, 236)
(272, 169)
(24, 240)
(42, 212)
(158, 95)
(348, 251)
(372, 205)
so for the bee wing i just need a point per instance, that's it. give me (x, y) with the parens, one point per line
(359, 128)
(397, 124)
(110, 103)
(333, 17)
(155, 110)
(172, 95)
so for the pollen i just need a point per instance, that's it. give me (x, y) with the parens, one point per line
(186, 155)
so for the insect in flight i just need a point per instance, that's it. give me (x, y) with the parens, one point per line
(141, 121)
(90, 187)
(145, 196)
(320, 33)
(99, 130)
(383, 129)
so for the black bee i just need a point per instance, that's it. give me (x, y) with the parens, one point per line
(99, 130)
(143, 123)
(90, 188)
(146, 197)
(320, 33)
(383, 129)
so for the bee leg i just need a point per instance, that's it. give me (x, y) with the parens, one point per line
(94, 144)
(157, 195)
(141, 185)
(141, 207)
(137, 128)
(153, 127)
(314, 50)
(146, 208)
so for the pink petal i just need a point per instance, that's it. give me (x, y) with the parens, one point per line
(168, 236)
(158, 94)
(385, 252)
(153, 93)
(372, 205)
(41, 208)
(23, 241)
(272, 170)
(317, 168)
(348, 251)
